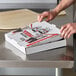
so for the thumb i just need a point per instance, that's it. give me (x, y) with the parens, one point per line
(48, 19)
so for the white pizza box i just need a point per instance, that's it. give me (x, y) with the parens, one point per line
(15, 51)
(46, 36)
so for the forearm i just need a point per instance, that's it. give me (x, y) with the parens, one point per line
(63, 5)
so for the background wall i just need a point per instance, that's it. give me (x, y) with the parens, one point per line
(27, 4)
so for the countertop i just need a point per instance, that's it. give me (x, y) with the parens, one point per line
(56, 58)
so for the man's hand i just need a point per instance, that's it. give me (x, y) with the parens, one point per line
(49, 15)
(68, 29)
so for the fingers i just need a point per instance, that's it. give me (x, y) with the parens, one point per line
(40, 18)
(67, 30)
(48, 19)
(62, 28)
(44, 15)
(72, 32)
(67, 33)
(64, 31)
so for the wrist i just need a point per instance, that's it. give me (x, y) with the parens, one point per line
(57, 11)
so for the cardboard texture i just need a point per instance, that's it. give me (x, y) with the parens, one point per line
(17, 18)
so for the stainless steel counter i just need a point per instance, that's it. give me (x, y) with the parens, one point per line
(56, 58)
